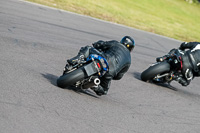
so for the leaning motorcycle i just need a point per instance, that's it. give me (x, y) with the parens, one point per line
(163, 72)
(86, 74)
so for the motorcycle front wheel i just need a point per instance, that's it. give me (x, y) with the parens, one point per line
(152, 71)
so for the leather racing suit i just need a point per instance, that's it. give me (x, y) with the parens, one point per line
(191, 62)
(117, 56)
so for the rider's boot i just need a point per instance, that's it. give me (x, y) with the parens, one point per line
(182, 81)
(179, 78)
(99, 90)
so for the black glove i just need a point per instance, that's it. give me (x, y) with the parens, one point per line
(98, 44)
(182, 45)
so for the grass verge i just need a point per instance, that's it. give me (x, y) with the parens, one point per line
(173, 18)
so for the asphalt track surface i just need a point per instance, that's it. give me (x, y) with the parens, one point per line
(35, 42)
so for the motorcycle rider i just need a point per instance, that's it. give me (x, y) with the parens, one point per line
(191, 62)
(117, 55)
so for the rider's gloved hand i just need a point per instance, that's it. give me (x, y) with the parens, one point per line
(182, 45)
(98, 44)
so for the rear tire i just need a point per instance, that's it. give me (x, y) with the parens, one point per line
(152, 71)
(71, 78)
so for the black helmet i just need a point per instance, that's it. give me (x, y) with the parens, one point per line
(128, 42)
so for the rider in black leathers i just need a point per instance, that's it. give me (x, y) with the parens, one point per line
(191, 62)
(117, 55)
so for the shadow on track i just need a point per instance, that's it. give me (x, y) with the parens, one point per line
(185, 92)
(53, 80)
(137, 76)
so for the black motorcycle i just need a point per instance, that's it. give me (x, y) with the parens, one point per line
(163, 72)
(85, 74)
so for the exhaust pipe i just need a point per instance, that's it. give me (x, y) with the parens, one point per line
(91, 83)
(97, 81)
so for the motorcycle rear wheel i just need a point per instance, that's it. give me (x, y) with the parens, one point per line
(71, 78)
(152, 71)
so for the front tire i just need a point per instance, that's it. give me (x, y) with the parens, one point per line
(71, 78)
(154, 70)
